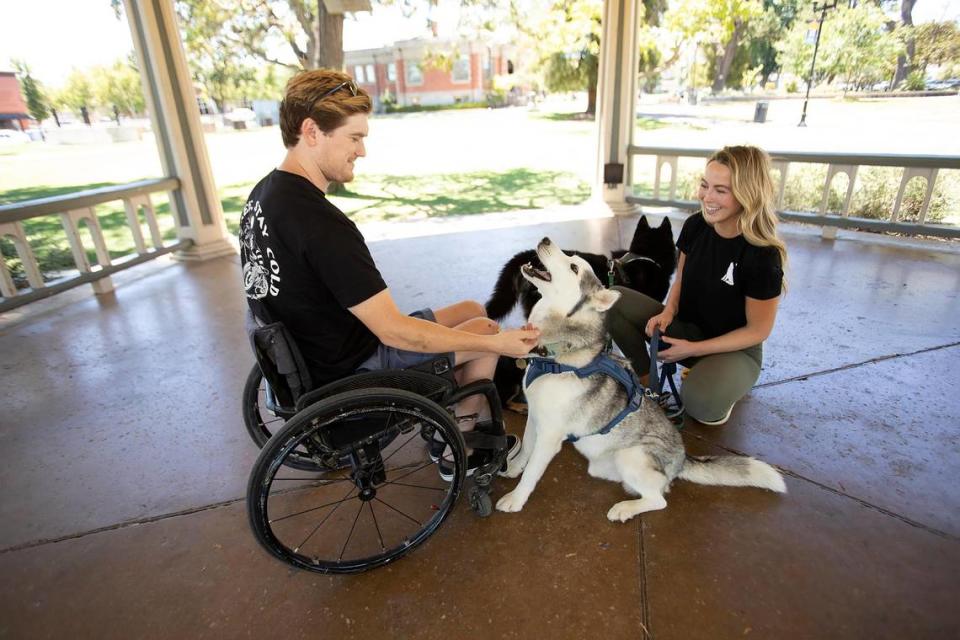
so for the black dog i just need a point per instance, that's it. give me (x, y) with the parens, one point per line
(645, 267)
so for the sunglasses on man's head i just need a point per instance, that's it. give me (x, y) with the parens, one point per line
(349, 84)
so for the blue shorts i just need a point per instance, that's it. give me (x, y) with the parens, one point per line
(392, 358)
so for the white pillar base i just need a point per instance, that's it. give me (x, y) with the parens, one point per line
(207, 251)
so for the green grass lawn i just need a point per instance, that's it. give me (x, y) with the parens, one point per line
(419, 165)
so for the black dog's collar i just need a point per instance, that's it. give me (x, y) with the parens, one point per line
(615, 266)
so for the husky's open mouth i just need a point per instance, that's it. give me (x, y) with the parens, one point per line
(533, 272)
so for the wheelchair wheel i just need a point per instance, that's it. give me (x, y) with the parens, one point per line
(388, 500)
(262, 422)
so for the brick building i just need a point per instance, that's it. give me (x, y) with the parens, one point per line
(13, 109)
(401, 71)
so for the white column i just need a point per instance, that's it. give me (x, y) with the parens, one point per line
(616, 103)
(172, 103)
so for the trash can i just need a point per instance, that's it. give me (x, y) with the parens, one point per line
(760, 113)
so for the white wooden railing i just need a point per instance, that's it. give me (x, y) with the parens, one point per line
(74, 209)
(925, 167)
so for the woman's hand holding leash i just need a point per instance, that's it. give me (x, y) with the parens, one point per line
(660, 321)
(678, 350)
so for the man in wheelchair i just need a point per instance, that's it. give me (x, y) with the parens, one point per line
(306, 264)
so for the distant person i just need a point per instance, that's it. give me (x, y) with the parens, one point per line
(723, 302)
(309, 266)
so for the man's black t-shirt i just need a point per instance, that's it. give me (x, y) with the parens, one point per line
(719, 273)
(308, 263)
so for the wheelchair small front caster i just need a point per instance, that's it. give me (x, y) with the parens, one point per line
(480, 501)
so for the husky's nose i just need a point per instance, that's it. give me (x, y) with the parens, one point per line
(545, 242)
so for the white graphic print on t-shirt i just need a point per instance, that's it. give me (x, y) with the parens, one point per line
(261, 273)
(728, 276)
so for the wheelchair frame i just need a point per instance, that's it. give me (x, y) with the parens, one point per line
(343, 436)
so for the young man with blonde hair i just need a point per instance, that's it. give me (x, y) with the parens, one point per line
(308, 264)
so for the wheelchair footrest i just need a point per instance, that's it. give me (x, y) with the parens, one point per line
(479, 440)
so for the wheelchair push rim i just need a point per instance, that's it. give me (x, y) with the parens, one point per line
(262, 422)
(384, 503)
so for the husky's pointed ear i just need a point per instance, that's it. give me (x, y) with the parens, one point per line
(643, 222)
(605, 298)
(665, 222)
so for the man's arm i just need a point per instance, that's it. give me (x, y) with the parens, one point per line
(380, 314)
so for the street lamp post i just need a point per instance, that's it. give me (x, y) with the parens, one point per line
(822, 7)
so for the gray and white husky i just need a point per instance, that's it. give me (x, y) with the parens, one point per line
(644, 452)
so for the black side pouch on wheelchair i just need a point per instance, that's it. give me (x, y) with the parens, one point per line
(280, 360)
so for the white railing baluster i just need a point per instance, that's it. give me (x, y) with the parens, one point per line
(782, 166)
(14, 231)
(909, 173)
(7, 288)
(71, 224)
(131, 206)
(672, 161)
(832, 170)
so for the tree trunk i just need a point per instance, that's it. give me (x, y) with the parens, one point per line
(328, 53)
(592, 97)
(729, 51)
(905, 62)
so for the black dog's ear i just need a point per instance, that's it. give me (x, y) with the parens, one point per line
(665, 223)
(643, 222)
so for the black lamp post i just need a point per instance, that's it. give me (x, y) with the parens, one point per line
(822, 7)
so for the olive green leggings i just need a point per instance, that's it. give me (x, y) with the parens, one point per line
(714, 383)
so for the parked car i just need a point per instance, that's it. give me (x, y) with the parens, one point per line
(12, 136)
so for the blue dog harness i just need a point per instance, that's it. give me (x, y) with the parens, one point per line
(604, 364)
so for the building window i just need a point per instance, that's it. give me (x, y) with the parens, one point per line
(414, 73)
(371, 74)
(358, 74)
(392, 72)
(461, 69)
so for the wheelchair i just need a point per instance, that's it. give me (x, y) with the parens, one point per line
(352, 474)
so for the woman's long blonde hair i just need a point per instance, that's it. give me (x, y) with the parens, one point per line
(752, 187)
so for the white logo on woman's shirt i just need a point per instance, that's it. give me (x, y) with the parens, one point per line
(728, 276)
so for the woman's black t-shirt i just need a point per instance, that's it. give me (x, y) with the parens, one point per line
(719, 273)
(308, 263)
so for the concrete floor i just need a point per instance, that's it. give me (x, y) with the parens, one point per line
(123, 462)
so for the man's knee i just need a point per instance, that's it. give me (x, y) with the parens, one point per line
(483, 326)
(473, 309)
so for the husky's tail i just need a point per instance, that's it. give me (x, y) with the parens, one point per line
(506, 292)
(732, 471)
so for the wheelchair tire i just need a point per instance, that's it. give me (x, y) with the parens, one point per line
(384, 504)
(261, 424)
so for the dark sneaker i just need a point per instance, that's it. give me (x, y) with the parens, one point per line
(436, 448)
(479, 458)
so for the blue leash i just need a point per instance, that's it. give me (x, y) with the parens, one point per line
(666, 373)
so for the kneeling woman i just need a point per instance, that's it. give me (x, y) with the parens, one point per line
(723, 302)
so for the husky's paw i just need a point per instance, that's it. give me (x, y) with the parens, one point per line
(512, 502)
(623, 511)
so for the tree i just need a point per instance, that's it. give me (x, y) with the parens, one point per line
(37, 102)
(905, 59)
(217, 62)
(78, 94)
(937, 44)
(118, 86)
(570, 48)
(722, 25)
(855, 46)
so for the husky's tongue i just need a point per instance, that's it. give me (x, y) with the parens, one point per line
(533, 272)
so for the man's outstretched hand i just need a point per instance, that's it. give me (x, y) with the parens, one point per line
(517, 342)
